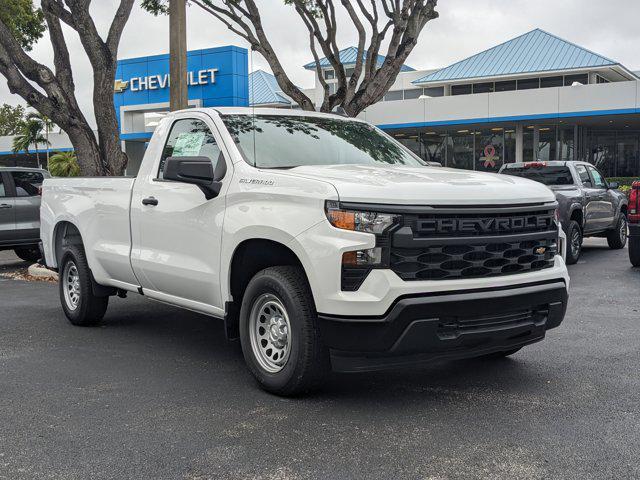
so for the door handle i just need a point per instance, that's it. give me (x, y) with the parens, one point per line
(150, 201)
(5, 205)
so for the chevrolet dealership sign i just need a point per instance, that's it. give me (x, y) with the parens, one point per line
(155, 82)
(216, 77)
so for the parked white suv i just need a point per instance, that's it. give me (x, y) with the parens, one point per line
(318, 239)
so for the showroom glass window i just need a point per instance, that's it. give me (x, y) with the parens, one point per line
(434, 146)
(546, 143)
(460, 151)
(27, 183)
(489, 145)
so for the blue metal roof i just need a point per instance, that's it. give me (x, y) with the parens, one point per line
(348, 57)
(264, 89)
(535, 51)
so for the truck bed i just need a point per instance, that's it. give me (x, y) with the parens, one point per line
(99, 209)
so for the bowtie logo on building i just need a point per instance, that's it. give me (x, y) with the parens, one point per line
(120, 86)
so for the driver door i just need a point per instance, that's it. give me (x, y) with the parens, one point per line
(604, 208)
(176, 231)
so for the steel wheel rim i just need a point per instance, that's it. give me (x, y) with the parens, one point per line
(71, 285)
(575, 243)
(623, 229)
(270, 332)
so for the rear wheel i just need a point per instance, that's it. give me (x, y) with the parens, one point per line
(634, 251)
(78, 301)
(28, 254)
(617, 238)
(574, 242)
(278, 332)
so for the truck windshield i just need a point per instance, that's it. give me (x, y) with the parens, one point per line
(546, 175)
(281, 141)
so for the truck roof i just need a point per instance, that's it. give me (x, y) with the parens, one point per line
(272, 111)
(552, 163)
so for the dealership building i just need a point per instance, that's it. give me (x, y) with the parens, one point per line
(534, 97)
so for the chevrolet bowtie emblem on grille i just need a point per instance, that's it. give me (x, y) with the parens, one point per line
(120, 86)
(540, 250)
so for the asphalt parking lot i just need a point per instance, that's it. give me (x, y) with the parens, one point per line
(157, 393)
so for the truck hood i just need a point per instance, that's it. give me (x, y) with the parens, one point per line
(425, 185)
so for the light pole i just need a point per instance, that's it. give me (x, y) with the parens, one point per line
(178, 96)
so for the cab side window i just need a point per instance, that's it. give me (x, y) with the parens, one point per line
(584, 176)
(189, 137)
(3, 192)
(598, 180)
(27, 183)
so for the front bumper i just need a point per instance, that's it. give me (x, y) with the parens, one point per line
(427, 327)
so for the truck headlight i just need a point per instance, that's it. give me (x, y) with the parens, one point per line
(359, 221)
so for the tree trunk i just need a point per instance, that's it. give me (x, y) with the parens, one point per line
(37, 156)
(87, 152)
(113, 159)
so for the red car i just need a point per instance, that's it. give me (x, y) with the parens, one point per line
(634, 224)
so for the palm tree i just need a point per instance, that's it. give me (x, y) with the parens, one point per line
(46, 125)
(64, 164)
(30, 134)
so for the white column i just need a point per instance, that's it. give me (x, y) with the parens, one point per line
(519, 144)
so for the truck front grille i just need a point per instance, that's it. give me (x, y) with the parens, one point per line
(447, 243)
(473, 259)
(472, 242)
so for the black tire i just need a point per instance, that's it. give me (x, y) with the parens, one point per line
(90, 309)
(617, 238)
(634, 251)
(28, 254)
(574, 242)
(503, 354)
(306, 358)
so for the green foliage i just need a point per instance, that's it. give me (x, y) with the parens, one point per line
(623, 181)
(11, 119)
(156, 7)
(64, 164)
(29, 133)
(24, 20)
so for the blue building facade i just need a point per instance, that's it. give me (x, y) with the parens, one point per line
(216, 77)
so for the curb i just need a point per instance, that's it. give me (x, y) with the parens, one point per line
(38, 271)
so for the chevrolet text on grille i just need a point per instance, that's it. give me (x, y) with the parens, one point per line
(491, 224)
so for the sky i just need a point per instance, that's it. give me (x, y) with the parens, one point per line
(465, 27)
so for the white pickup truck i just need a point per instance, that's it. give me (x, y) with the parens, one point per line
(321, 242)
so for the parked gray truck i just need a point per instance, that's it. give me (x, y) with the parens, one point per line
(20, 210)
(588, 205)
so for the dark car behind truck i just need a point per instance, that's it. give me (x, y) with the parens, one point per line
(588, 205)
(20, 190)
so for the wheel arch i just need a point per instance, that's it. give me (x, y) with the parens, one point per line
(250, 256)
(65, 233)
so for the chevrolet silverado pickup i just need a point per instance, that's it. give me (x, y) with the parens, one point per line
(588, 205)
(320, 241)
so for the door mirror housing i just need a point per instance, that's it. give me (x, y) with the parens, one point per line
(197, 170)
(614, 185)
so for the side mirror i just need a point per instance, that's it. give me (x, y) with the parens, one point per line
(614, 185)
(197, 171)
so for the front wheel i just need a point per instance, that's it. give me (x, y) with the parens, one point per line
(278, 332)
(617, 238)
(574, 240)
(78, 301)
